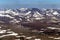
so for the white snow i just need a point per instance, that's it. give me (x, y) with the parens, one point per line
(2, 12)
(37, 39)
(55, 13)
(2, 31)
(12, 34)
(28, 37)
(28, 13)
(53, 28)
(23, 9)
(14, 21)
(6, 16)
(37, 14)
(58, 38)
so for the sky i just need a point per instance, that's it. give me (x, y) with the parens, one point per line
(29, 3)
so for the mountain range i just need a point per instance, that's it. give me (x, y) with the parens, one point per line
(28, 14)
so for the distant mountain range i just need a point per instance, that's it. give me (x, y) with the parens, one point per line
(28, 14)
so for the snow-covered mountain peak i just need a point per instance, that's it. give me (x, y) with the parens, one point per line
(23, 9)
